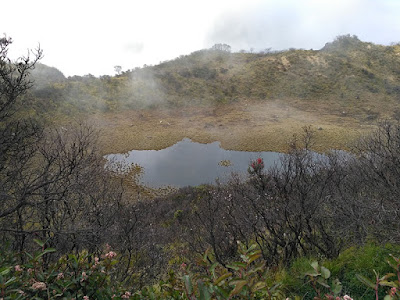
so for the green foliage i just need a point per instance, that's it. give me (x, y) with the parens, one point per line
(350, 268)
(293, 277)
(361, 261)
(72, 276)
(323, 285)
(245, 279)
(389, 283)
(86, 276)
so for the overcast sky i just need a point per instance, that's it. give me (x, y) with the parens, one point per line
(85, 36)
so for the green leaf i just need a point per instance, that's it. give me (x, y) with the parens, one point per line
(313, 274)
(212, 268)
(39, 242)
(323, 283)
(239, 284)
(237, 266)
(188, 284)
(325, 272)
(314, 264)
(388, 297)
(45, 251)
(113, 262)
(222, 277)
(388, 283)
(336, 287)
(205, 256)
(9, 281)
(258, 286)
(4, 271)
(388, 275)
(204, 293)
(275, 287)
(233, 267)
(244, 257)
(74, 260)
(254, 257)
(366, 281)
(252, 247)
(29, 255)
(259, 267)
(57, 295)
(222, 292)
(49, 250)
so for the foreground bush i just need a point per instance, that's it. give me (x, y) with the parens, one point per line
(82, 276)
(362, 261)
(86, 276)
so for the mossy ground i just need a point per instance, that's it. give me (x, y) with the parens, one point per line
(244, 125)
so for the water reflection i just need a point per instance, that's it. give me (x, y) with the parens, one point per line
(190, 163)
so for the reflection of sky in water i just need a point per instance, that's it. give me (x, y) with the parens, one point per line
(189, 163)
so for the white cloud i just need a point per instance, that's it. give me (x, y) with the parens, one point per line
(81, 37)
(307, 23)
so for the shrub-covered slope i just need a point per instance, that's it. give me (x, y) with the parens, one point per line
(347, 72)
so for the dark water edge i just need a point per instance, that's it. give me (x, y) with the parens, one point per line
(188, 163)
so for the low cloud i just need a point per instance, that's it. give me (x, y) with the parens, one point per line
(306, 24)
(134, 48)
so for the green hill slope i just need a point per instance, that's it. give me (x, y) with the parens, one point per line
(346, 76)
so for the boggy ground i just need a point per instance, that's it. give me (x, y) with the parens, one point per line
(244, 125)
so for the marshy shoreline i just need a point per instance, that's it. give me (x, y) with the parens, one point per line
(241, 126)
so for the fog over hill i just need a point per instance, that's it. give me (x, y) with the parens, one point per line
(101, 35)
(347, 71)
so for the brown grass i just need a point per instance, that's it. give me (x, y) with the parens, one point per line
(246, 125)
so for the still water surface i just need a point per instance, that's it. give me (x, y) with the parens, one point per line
(190, 163)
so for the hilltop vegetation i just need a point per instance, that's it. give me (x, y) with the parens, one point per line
(347, 73)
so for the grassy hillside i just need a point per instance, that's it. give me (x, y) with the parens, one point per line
(347, 71)
(344, 87)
